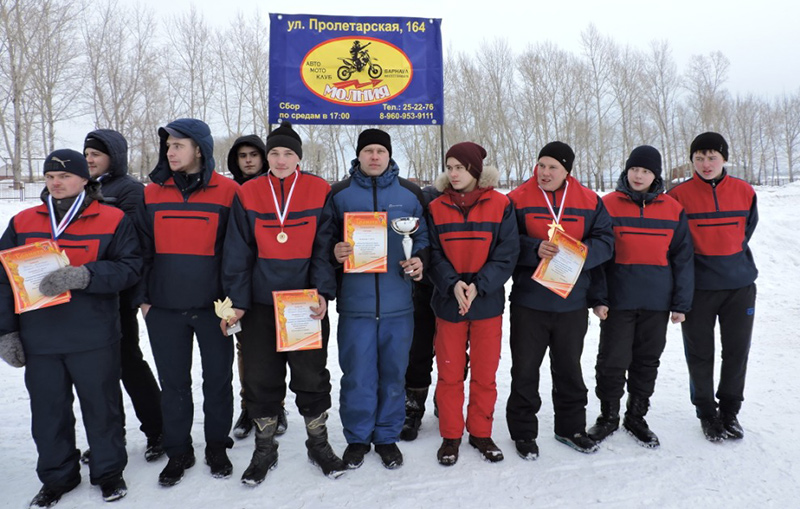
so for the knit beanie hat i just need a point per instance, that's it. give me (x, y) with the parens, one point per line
(95, 143)
(70, 161)
(285, 136)
(559, 151)
(709, 141)
(645, 156)
(470, 155)
(374, 137)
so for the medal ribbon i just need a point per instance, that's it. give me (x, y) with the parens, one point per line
(560, 207)
(57, 229)
(282, 214)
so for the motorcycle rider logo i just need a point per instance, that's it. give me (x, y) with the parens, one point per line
(358, 61)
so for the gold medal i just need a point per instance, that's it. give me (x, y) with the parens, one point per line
(552, 227)
(282, 237)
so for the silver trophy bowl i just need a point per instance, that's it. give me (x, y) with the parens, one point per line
(406, 226)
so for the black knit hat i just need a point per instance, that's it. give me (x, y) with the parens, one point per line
(374, 137)
(95, 143)
(645, 156)
(470, 155)
(285, 136)
(70, 161)
(559, 151)
(709, 141)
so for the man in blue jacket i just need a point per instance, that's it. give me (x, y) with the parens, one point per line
(376, 313)
(106, 153)
(73, 346)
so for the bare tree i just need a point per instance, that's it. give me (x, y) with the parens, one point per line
(20, 21)
(788, 116)
(627, 66)
(744, 133)
(119, 86)
(192, 72)
(599, 52)
(497, 111)
(661, 91)
(705, 80)
(57, 77)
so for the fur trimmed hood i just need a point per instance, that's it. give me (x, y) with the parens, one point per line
(490, 177)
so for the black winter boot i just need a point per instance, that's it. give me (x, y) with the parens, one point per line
(607, 422)
(390, 454)
(579, 441)
(415, 409)
(154, 449)
(243, 426)
(527, 449)
(176, 466)
(114, 489)
(265, 457)
(217, 460)
(320, 451)
(713, 429)
(283, 422)
(635, 424)
(731, 425)
(48, 496)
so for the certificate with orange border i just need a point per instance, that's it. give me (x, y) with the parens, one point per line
(561, 272)
(367, 233)
(26, 266)
(296, 330)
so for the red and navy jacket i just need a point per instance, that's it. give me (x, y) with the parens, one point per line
(101, 239)
(652, 267)
(584, 218)
(183, 233)
(255, 264)
(479, 247)
(183, 241)
(722, 217)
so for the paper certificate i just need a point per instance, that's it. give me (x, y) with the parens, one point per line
(561, 272)
(367, 233)
(295, 328)
(26, 266)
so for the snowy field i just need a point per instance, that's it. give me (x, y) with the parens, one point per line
(763, 470)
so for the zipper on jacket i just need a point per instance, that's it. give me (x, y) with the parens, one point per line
(714, 193)
(465, 238)
(716, 224)
(644, 233)
(85, 248)
(200, 218)
(285, 225)
(377, 282)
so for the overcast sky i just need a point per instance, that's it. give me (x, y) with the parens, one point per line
(760, 38)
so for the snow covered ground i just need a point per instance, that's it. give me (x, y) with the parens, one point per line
(762, 470)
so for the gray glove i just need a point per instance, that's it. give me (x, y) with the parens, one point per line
(11, 349)
(65, 278)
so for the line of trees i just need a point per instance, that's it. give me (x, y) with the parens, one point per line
(127, 70)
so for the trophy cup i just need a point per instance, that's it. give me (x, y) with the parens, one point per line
(406, 226)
